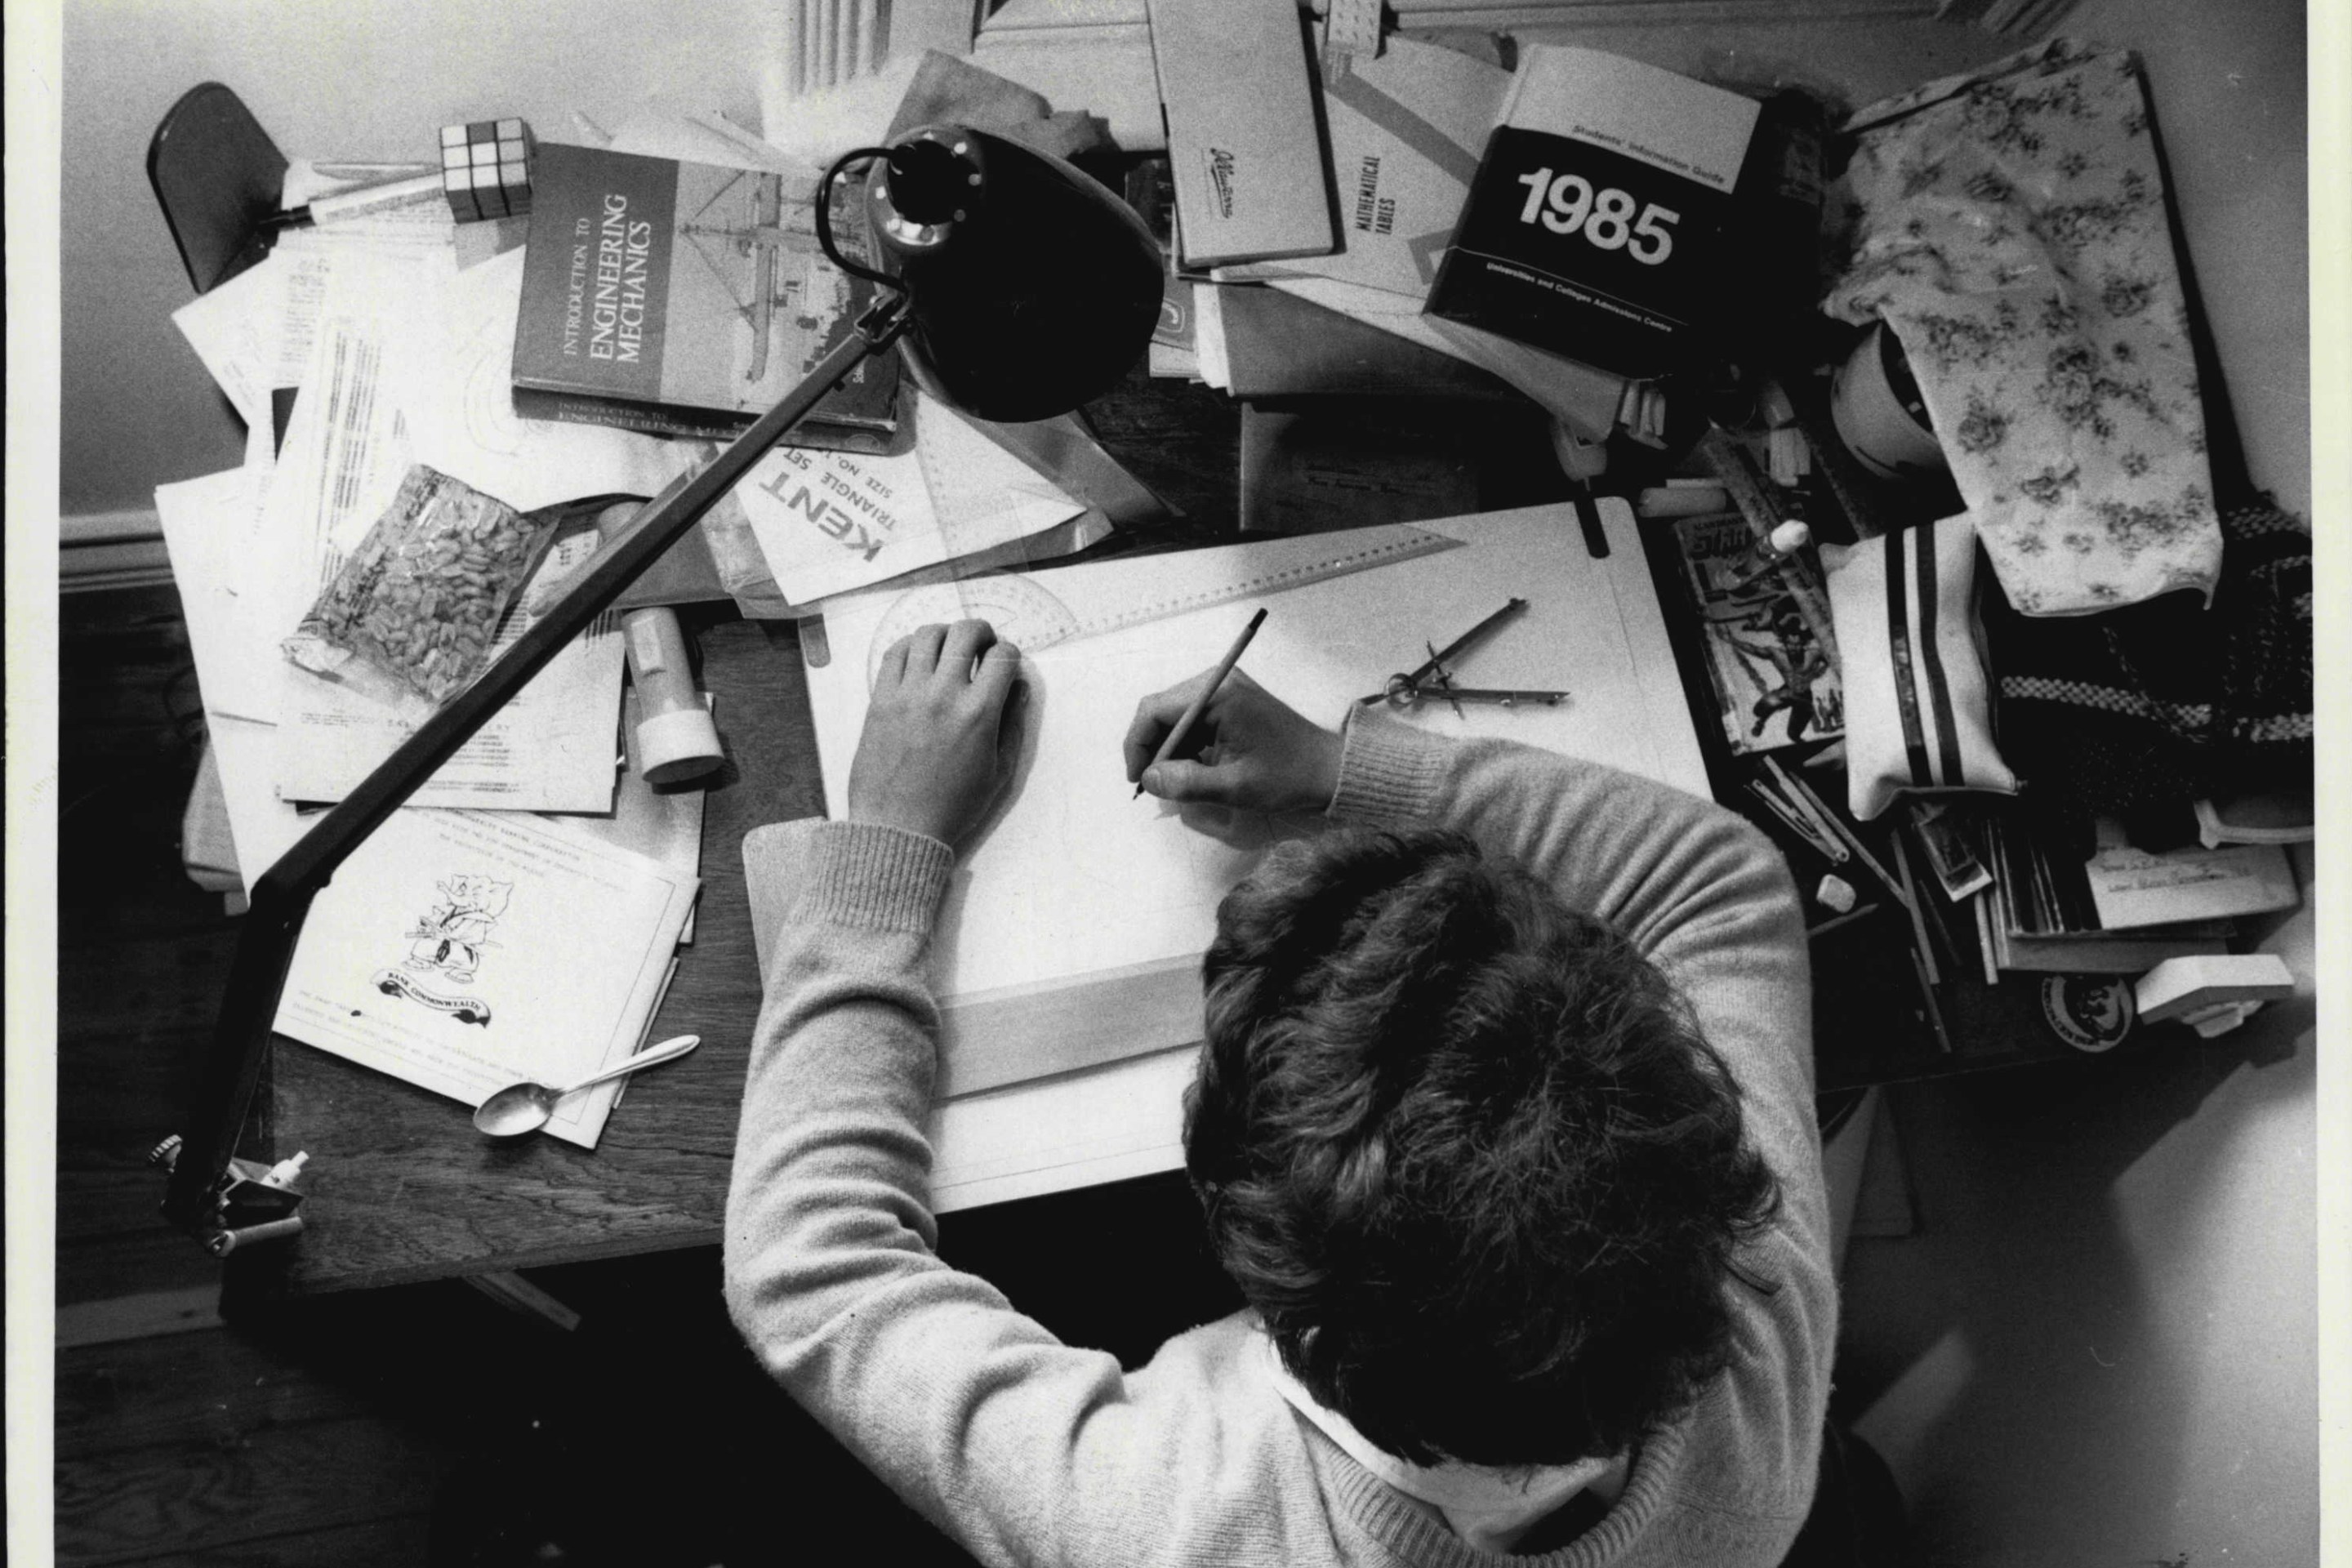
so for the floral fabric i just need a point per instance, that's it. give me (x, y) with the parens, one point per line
(2011, 230)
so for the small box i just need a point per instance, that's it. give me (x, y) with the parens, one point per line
(485, 168)
(1243, 148)
(2180, 986)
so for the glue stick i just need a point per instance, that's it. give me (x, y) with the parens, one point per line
(676, 739)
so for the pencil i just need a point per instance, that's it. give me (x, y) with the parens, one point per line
(1911, 904)
(1199, 705)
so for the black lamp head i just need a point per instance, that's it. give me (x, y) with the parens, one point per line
(1032, 287)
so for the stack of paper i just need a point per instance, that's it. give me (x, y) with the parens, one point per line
(831, 521)
(385, 353)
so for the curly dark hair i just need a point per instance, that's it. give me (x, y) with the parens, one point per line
(1466, 1152)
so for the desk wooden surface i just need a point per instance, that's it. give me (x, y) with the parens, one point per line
(402, 1188)
(400, 1185)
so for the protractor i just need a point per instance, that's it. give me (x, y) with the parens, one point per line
(1023, 613)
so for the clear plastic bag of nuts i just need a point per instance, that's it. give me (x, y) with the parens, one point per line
(415, 610)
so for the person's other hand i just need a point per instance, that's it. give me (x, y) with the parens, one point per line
(939, 735)
(1249, 749)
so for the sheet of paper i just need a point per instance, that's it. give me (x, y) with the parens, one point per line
(2132, 888)
(235, 331)
(458, 951)
(832, 522)
(346, 450)
(550, 749)
(664, 824)
(208, 527)
(347, 444)
(1074, 876)
(657, 133)
(212, 529)
(457, 384)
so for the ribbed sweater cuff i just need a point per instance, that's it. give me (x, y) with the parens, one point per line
(864, 874)
(1388, 772)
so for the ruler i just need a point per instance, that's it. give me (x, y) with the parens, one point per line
(1070, 604)
(1242, 571)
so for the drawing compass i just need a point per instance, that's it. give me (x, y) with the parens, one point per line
(1432, 678)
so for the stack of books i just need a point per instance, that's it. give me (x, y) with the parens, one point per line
(2052, 907)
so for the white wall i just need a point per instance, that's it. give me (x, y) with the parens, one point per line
(2229, 90)
(325, 78)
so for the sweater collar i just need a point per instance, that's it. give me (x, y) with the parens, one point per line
(1489, 1509)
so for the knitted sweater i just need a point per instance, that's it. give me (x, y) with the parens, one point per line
(1028, 1450)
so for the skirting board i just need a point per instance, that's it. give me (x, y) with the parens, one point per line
(1018, 15)
(112, 550)
(1426, 16)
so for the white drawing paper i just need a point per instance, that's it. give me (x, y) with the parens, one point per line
(1075, 876)
(829, 523)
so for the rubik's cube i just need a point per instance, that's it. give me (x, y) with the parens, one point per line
(485, 168)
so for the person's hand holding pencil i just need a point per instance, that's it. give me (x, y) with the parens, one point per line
(1220, 739)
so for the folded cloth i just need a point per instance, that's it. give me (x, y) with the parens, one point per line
(2146, 710)
(2011, 228)
(946, 89)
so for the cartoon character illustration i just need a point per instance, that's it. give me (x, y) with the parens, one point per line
(452, 937)
(1800, 662)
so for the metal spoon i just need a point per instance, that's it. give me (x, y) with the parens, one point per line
(521, 1108)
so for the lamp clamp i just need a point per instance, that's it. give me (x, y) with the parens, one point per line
(250, 1202)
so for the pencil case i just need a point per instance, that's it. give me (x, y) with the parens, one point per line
(415, 611)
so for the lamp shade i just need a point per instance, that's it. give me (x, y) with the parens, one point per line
(1033, 287)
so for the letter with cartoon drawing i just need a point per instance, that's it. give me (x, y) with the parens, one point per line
(463, 950)
(452, 937)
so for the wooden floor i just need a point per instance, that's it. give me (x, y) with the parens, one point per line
(427, 1424)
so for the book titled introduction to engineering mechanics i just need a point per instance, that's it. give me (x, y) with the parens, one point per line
(686, 298)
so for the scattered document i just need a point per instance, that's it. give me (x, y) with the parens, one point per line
(2132, 887)
(346, 451)
(208, 527)
(456, 388)
(452, 950)
(831, 521)
(549, 748)
(235, 331)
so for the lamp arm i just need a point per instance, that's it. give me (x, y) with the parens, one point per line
(281, 897)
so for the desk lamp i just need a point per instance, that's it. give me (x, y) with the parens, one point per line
(1016, 288)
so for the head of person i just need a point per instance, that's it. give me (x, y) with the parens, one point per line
(1466, 1152)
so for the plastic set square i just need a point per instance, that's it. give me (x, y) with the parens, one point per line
(485, 168)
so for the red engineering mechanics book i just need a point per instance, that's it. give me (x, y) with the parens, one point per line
(686, 299)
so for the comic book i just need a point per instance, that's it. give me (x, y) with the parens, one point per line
(1764, 625)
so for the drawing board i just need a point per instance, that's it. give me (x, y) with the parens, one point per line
(1069, 945)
